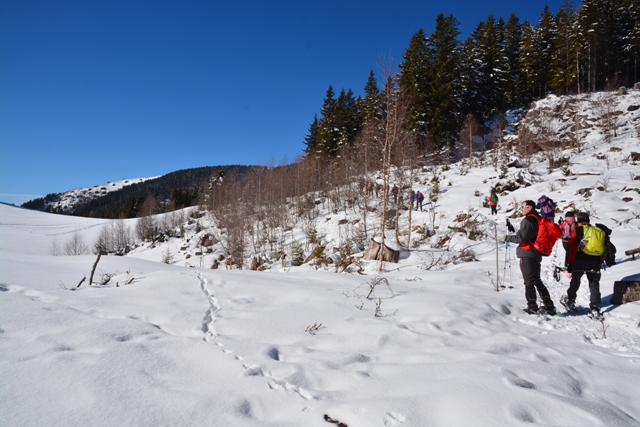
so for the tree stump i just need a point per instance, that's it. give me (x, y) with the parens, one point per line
(377, 250)
(624, 292)
(257, 263)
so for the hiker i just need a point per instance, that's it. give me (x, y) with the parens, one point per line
(394, 191)
(419, 200)
(493, 202)
(585, 256)
(413, 198)
(530, 259)
(369, 188)
(547, 207)
(568, 227)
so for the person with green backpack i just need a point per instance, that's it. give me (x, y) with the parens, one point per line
(587, 247)
(493, 203)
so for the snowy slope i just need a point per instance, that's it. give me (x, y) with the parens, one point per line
(69, 199)
(188, 346)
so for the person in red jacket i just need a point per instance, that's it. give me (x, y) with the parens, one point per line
(530, 259)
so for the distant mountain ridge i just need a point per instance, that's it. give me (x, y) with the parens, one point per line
(110, 200)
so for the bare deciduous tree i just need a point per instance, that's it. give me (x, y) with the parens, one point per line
(76, 245)
(396, 109)
(468, 132)
(146, 223)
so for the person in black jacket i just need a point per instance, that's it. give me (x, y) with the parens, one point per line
(579, 264)
(530, 259)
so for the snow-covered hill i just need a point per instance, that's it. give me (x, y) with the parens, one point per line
(67, 200)
(435, 344)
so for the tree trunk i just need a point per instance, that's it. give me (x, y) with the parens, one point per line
(381, 252)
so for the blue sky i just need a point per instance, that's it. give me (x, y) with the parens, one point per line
(93, 91)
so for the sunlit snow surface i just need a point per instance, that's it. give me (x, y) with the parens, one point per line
(188, 346)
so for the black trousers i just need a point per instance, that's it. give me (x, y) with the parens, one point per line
(594, 287)
(530, 268)
(566, 246)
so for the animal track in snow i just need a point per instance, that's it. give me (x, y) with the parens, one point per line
(273, 353)
(209, 317)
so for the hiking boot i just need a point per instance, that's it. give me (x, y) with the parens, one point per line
(594, 313)
(551, 310)
(531, 310)
(569, 304)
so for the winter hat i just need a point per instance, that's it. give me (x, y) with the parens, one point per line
(582, 217)
(569, 214)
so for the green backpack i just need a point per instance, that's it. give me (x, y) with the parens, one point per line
(593, 241)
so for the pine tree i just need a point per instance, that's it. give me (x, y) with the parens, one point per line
(603, 42)
(529, 62)
(632, 42)
(414, 83)
(370, 109)
(512, 84)
(546, 38)
(444, 87)
(489, 68)
(628, 13)
(310, 140)
(328, 133)
(563, 72)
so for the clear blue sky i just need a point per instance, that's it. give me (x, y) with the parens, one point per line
(93, 91)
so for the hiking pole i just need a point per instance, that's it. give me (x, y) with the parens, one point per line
(506, 257)
(510, 278)
(495, 232)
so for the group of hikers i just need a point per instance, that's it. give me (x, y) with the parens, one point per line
(585, 247)
(416, 197)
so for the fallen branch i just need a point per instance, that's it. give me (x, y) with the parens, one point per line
(93, 270)
(312, 329)
(376, 281)
(328, 419)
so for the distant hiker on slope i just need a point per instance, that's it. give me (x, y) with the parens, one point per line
(547, 207)
(493, 202)
(419, 200)
(530, 259)
(585, 256)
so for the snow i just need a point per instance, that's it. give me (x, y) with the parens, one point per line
(187, 346)
(69, 199)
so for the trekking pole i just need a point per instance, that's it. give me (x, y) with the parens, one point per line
(510, 278)
(495, 232)
(506, 258)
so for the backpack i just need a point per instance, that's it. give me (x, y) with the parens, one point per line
(420, 196)
(569, 225)
(593, 241)
(547, 206)
(548, 233)
(494, 198)
(610, 249)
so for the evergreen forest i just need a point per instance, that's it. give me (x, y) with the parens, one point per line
(449, 84)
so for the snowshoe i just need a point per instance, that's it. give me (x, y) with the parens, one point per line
(542, 312)
(568, 304)
(594, 313)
